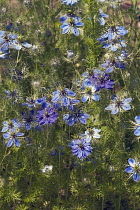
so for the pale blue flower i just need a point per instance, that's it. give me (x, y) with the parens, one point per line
(13, 138)
(137, 124)
(89, 93)
(71, 26)
(118, 105)
(133, 169)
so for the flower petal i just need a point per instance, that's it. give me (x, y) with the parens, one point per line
(131, 162)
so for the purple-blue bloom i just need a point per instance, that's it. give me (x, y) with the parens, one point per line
(114, 32)
(137, 124)
(28, 119)
(110, 65)
(12, 138)
(46, 116)
(10, 125)
(32, 103)
(75, 117)
(81, 148)
(133, 169)
(63, 96)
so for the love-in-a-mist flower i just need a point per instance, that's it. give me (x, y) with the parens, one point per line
(137, 126)
(46, 116)
(11, 125)
(91, 134)
(113, 32)
(28, 119)
(99, 79)
(118, 104)
(75, 117)
(89, 93)
(70, 2)
(9, 41)
(30, 102)
(81, 148)
(134, 169)
(71, 26)
(113, 45)
(110, 65)
(63, 96)
(102, 16)
(13, 138)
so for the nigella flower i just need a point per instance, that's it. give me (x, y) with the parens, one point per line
(32, 103)
(113, 32)
(68, 17)
(117, 105)
(113, 45)
(9, 41)
(75, 117)
(102, 16)
(46, 116)
(133, 169)
(62, 96)
(137, 126)
(89, 93)
(99, 79)
(91, 134)
(70, 2)
(12, 95)
(110, 65)
(10, 125)
(123, 55)
(12, 138)
(71, 26)
(81, 148)
(28, 119)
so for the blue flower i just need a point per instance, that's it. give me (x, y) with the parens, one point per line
(114, 45)
(89, 93)
(12, 95)
(71, 26)
(75, 117)
(110, 65)
(113, 32)
(123, 55)
(9, 41)
(117, 104)
(32, 103)
(11, 125)
(102, 16)
(62, 96)
(137, 124)
(12, 138)
(98, 79)
(81, 148)
(133, 169)
(46, 116)
(70, 2)
(28, 119)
